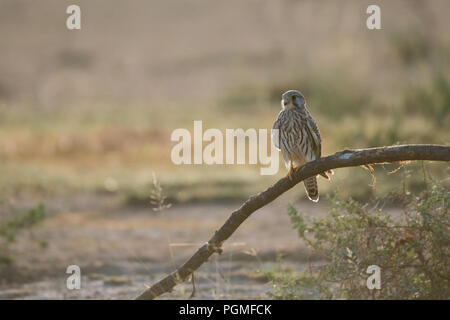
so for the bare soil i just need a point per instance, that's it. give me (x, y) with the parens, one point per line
(121, 249)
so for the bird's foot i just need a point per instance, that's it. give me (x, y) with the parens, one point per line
(327, 174)
(289, 174)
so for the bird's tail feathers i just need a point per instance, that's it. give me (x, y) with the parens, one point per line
(311, 188)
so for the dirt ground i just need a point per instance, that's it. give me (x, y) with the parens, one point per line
(121, 249)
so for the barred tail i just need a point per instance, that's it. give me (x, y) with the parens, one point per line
(311, 189)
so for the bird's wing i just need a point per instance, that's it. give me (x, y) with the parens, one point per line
(315, 135)
(276, 134)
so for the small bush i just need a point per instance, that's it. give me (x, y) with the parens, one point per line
(412, 250)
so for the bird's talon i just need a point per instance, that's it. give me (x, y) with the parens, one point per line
(289, 174)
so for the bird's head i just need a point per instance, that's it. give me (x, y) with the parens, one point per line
(292, 99)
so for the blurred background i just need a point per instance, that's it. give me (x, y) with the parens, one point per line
(86, 117)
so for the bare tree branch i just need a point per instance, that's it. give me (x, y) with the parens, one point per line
(346, 158)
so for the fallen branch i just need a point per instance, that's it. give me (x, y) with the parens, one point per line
(346, 158)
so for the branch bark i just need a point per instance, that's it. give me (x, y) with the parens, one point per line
(345, 158)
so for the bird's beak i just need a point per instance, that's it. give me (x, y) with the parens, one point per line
(285, 102)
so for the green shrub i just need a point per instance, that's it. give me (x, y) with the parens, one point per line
(412, 250)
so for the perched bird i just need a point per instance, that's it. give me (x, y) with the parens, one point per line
(298, 138)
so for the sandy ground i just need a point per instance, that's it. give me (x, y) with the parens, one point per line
(121, 249)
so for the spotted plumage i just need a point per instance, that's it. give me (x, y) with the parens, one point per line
(298, 138)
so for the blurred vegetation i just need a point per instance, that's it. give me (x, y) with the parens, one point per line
(432, 102)
(412, 250)
(77, 118)
(412, 47)
(115, 150)
(13, 223)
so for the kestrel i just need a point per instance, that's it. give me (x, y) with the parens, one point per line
(298, 138)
